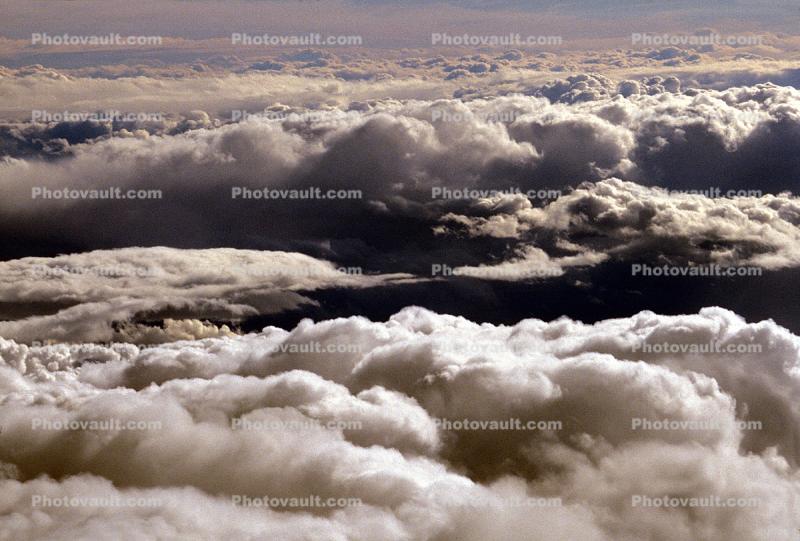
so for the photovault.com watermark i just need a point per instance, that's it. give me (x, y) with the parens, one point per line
(469, 347)
(42, 500)
(495, 424)
(305, 425)
(296, 40)
(94, 40)
(344, 117)
(672, 271)
(503, 117)
(666, 502)
(301, 271)
(714, 346)
(496, 272)
(493, 40)
(715, 192)
(103, 271)
(39, 115)
(304, 502)
(114, 193)
(311, 193)
(695, 40)
(315, 347)
(79, 348)
(440, 192)
(111, 424)
(667, 425)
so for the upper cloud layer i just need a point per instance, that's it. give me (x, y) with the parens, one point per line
(402, 159)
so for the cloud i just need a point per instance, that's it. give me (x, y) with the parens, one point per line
(405, 467)
(614, 218)
(153, 295)
(201, 347)
(395, 154)
(112, 295)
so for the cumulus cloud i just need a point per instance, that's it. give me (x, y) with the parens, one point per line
(268, 375)
(394, 155)
(413, 476)
(636, 223)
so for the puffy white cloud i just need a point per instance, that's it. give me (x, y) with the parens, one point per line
(398, 380)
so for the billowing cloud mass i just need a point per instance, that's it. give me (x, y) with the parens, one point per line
(391, 386)
(401, 167)
(632, 222)
(443, 282)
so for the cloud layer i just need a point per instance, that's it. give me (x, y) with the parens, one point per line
(396, 380)
(98, 296)
(395, 156)
(390, 294)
